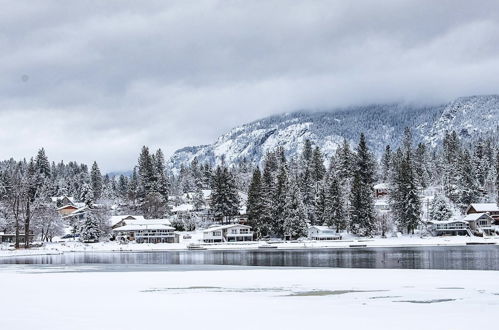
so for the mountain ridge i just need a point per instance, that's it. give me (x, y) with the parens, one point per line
(382, 124)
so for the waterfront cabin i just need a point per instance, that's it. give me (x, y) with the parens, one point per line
(228, 233)
(480, 223)
(322, 233)
(145, 233)
(450, 228)
(491, 208)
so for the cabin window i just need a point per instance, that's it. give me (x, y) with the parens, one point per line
(217, 233)
(244, 231)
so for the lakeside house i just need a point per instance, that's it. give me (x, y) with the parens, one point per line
(228, 233)
(146, 233)
(322, 233)
(137, 228)
(480, 223)
(491, 208)
(450, 228)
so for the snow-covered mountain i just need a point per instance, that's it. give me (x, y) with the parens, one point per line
(383, 124)
(469, 116)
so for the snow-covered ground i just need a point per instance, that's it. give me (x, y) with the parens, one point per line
(404, 241)
(242, 298)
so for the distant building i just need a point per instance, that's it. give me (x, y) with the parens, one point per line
(491, 208)
(322, 233)
(62, 200)
(381, 190)
(11, 237)
(66, 209)
(228, 233)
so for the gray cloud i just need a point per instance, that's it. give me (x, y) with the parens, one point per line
(99, 79)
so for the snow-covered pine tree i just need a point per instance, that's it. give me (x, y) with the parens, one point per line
(404, 197)
(440, 210)
(335, 214)
(198, 200)
(318, 168)
(89, 230)
(87, 195)
(122, 187)
(254, 202)
(96, 181)
(162, 183)
(307, 181)
(345, 161)
(467, 186)
(362, 216)
(265, 221)
(224, 197)
(421, 166)
(320, 215)
(386, 161)
(294, 225)
(280, 194)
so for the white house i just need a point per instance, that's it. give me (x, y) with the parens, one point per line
(491, 208)
(145, 233)
(480, 223)
(322, 233)
(450, 228)
(228, 233)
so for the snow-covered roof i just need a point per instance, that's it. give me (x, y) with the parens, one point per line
(485, 207)
(183, 208)
(148, 222)
(475, 216)
(446, 222)
(215, 228)
(324, 229)
(381, 202)
(135, 227)
(382, 186)
(117, 218)
(55, 199)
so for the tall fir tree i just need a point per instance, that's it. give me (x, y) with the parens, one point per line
(254, 202)
(362, 216)
(295, 224)
(335, 215)
(96, 181)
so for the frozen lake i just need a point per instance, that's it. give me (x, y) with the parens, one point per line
(213, 297)
(484, 257)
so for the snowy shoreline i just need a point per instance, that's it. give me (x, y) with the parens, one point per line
(112, 247)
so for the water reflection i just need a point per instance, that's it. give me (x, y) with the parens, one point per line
(469, 257)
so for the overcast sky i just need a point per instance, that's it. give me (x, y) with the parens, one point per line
(96, 80)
